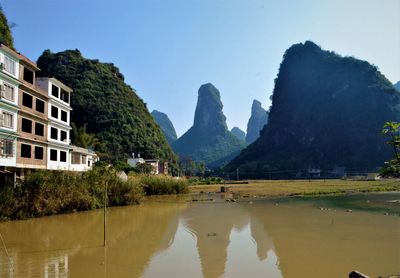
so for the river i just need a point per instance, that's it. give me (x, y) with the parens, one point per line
(171, 237)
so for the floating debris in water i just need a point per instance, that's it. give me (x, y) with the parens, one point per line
(348, 210)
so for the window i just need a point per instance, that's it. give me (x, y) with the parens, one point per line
(88, 163)
(39, 129)
(63, 156)
(39, 105)
(54, 133)
(26, 125)
(25, 151)
(7, 120)
(75, 158)
(27, 100)
(28, 75)
(54, 112)
(9, 65)
(8, 92)
(54, 91)
(64, 96)
(6, 147)
(63, 136)
(39, 153)
(83, 159)
(53, 155)
(64, 116)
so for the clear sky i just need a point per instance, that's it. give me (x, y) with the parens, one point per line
(167, 48)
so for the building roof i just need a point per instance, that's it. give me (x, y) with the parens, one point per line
(57, 82)
(19, 56)
(83, 150)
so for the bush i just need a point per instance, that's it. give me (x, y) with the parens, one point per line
(159, 185)
(54, 192)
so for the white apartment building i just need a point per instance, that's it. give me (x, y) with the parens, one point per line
(82, 159)
(58, 133)
(9, 83)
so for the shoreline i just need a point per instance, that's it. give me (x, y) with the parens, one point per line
(299, 188)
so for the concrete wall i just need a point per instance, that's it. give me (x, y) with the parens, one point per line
(58, 165)
(32, 162)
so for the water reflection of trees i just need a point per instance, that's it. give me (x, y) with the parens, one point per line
(135, 234)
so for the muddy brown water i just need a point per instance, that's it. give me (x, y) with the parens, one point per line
(170, 237)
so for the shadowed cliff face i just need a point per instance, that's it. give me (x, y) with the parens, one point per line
(208, 140)
(257, 121)
(327, 111)
(209, 115)
(166, 125)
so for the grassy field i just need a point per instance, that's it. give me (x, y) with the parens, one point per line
(266, 188)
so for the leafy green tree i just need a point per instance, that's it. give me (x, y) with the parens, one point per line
(5, 32)
(144, 168)
(81, 138)
(392, 131)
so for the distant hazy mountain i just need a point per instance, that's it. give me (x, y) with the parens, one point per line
(257, 121)
(397, 86)
(240, 134)
(209, 139)
(166, 125)
(327, 111)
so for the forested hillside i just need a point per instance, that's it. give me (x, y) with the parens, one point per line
(111, 109)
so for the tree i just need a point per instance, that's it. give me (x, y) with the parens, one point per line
(81, 138)
(392, 131)
(5, 32)
(144, 168)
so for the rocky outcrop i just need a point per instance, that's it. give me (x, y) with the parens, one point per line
(209, 139)
(257, 121)
(240, 134)
(166, 125)
(327, 111)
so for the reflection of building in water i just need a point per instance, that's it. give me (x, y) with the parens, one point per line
(56, 267)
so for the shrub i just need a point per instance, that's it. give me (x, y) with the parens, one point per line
(54, 192)
(159, 185)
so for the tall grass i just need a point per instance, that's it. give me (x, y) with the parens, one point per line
(55, 192)
(160, 185)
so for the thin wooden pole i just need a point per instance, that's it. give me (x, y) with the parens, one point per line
(8, 255)
(104, 212)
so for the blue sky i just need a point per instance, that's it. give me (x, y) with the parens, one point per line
(167, 48)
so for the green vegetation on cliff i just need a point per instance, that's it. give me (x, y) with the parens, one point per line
(166, 125)
(240, 134)
(5, 32)
(208, 141)
(327, 111)
(107, 107)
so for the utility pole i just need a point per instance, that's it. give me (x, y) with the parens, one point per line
(237, 174)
